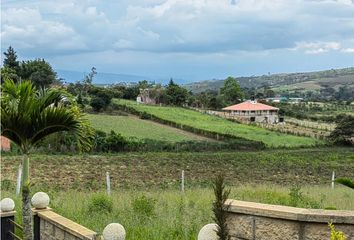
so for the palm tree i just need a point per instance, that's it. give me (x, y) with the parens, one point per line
(28, 115)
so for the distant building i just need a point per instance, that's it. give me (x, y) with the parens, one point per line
(254, 112)
(296, 100)
(284, 100)
(277, 99)
(5, 144)
(149, 96)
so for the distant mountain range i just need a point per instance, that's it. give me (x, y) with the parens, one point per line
(286, 81)
(112, 78)
(278, 82)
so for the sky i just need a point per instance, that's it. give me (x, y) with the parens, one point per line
(186, 39)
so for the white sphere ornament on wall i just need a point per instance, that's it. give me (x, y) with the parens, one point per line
(208, 232)
(114, 231)
(40, 200)
(7, 205)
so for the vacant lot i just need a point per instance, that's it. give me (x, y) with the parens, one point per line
(131, 126)
(215, 124)
(163, 170)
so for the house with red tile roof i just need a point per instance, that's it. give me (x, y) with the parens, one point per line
(254, 111)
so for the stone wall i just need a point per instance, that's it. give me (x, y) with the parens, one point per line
(255, 221)
(52, 226)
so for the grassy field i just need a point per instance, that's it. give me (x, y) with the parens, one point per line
(162, 169)
(130, 126)
(161, 215)
(145, 186)
(211, 123)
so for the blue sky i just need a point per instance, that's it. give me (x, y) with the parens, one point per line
(188, 39)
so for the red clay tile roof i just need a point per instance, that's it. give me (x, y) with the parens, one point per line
(250, 106)
(5, 144)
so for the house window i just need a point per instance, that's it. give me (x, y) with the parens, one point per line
(253, 119)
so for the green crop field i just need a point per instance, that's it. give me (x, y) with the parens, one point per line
(130, 126)
(140, 170)
(211, 123)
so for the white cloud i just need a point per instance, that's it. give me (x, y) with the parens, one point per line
(123, 44)
(317, 47)
(348, 50)
(26, 28)
(69, 27)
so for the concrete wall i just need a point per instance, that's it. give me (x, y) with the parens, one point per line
(255, 221)
(52, 226)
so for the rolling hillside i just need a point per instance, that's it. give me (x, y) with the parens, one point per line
(286, 81)
(188, 119)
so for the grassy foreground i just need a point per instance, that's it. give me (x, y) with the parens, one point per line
(211, 123)
(130, 126)
(161, 215)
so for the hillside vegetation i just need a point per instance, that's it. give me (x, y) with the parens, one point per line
(286, 81)
(186, 117)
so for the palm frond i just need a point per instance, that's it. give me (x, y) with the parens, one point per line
(28, 115)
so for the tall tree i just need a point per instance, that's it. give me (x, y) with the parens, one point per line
(175, 94)
(29, 115)
(231, 91)
(87, 82)
(39, 72)
(10, 59)
(344, 132)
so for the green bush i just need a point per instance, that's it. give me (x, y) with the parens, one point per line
(144, 205)
(100, 203)
(7, 184)
(336, 235)
(116, 142)
(145, 115)
(297, 199)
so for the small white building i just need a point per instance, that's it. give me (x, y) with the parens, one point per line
(254, 112)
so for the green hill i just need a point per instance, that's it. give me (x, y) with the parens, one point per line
(286, 81)
(190, 119)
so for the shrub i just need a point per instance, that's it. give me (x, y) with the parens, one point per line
(116, 142)
(97, 104)
(346, 182)
(145, 115)
(219, 207)
(7, 185)
(144, 205)
(297, 199)
(336, 235)
(100, 203)
(344, 132)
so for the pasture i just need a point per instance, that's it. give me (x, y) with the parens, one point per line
(131, 126)
(205, 122)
